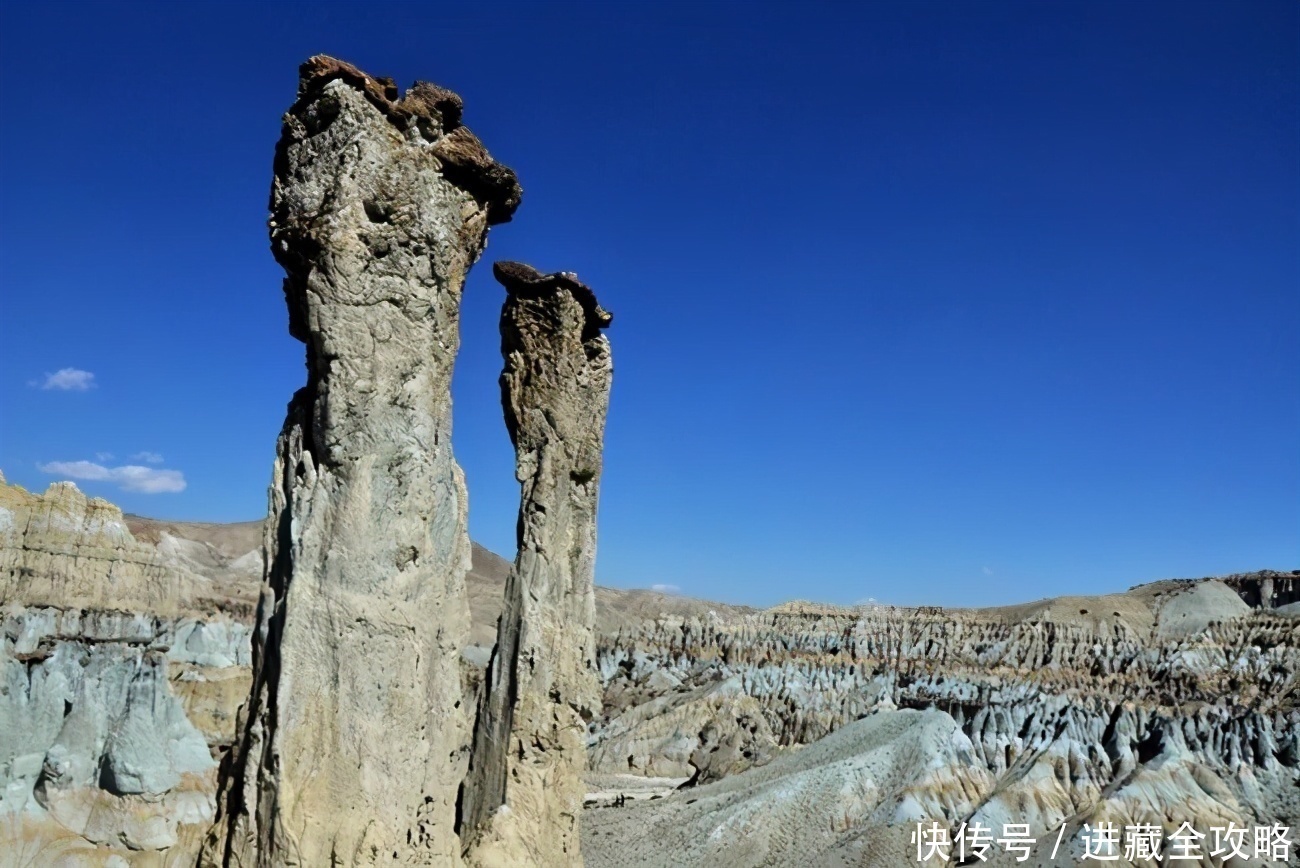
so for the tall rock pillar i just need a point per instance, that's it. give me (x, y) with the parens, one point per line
(354, 740)
(523, 796)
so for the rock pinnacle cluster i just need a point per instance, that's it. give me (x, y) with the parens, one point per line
(354, 743)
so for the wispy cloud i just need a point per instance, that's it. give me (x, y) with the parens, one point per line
(101, 457)
(67, 380)
(666, 589)
(986, 571)
(147, 457)
(128, 477)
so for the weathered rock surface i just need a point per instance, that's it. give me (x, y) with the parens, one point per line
(180, 638)
(62, 548)
(1077, 709)
(1266, 589)
(354, 740)
(524, 793)
(90, 731)
(1175, 702)
(704, 734)
(831, 803)
(117, 689)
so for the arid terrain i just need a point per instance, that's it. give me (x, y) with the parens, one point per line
(352, 682)
(803, 734)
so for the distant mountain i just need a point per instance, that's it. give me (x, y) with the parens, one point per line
(231, 553)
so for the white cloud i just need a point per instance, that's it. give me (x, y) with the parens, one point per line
(101, 457)
(986, 571)
(67, 380)
(147, 457)
(129, 477)
(665, 589)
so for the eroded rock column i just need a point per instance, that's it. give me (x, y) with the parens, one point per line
(523, 796)
(354, 741)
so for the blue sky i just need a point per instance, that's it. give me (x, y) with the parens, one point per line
(950, 303)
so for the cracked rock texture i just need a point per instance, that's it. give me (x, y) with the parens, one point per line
(524, 794)
(354, 741)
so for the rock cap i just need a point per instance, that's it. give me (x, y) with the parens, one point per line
(523, 280)
(436, 113)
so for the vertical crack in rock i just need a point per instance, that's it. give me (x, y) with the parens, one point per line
(353, 742)
(524, 792)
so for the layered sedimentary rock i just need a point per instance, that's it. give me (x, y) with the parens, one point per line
(62, 548)
(1176, 702)
(143, 679)
(94, 740)
(120, 673)
(354, 740)
(524, 794)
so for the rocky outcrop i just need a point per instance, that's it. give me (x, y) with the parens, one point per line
(703, 733)
(93, 738)
(119, 679)
(524, 793)
(1175, 701)
(62, 548)
(1266, 589)
(151, 681)
(122, 659)
(354, 740)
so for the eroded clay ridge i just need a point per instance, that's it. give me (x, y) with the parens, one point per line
(1108, 682)
(354, 740)
(524, 793)
(64, 549)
